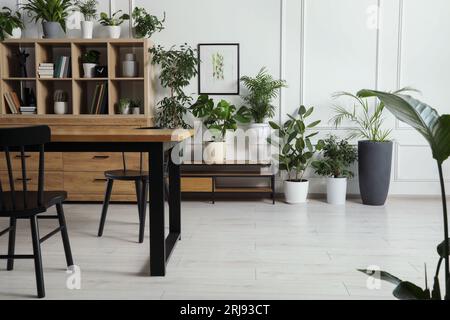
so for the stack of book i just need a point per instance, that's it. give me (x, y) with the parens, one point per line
(99, 103)
(13, 101)
(62, 67)
(46, 70)
(28, 110)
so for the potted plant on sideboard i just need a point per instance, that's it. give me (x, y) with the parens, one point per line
(218, 119)
(52, 13)
(296, 153)
(145, 24)
(338, 155)
(90, 60)
(11, 24)
(88, 8)
(113, 23)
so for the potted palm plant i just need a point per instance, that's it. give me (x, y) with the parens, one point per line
(436, 130)
(375, 148)
(217, 119)
(113, 23)
(88, 8)
(52, 13)
(338, 155)
(145, 24)
(11, 24)
(296, 153)
(90, 60)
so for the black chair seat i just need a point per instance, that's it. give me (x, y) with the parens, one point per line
(126, 175)
(32, 207)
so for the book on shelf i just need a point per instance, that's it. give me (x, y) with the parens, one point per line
(99, 104)
(46, 70)
(13, 102)
(62, 67)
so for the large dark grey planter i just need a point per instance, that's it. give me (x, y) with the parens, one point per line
(51, 30)
(374, 164)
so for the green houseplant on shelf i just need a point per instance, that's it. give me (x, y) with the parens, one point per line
(145, 24)
(90, 60)
(218, 119)
(88, 8)
(52, 14)
(374, 148)
(11, 24)
(112, 23)
(436, 130)
(337, 157)
(178, 66)
(296, 152)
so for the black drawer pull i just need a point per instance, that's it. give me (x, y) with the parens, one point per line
(26, 180)
(100, 180)
(25, 156)
(100, 157)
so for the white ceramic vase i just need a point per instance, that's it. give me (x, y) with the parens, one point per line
(296, 192)
(336, 191)
(87, 29)
(113, 32)
(16, 34)
(130, 66)
(214, 152)
(61, 107)
(89, 70)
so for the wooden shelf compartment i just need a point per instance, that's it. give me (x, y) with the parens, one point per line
(83, 95)
(78, 49)
(8, 85)
(117, 52)
(127, 89)
(45, 93)
(9, 62)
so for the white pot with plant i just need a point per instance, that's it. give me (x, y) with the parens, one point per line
(296, 153)
(145, 24)
(52, 14)
(124, 106)
(90, 60)
(113, 23)
(11, 24)
(337, 157)
(88, 8)
(61, 102)
(218, 119)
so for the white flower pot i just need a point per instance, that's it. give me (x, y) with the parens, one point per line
(87, 29)
(296, 192)
(214, 152)
(16, 34)
(129, 69)
(61, 107)
(89, 70)
(113, 32)
(336, 191)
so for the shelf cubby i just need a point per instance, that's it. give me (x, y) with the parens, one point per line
(17, 86)
(83, 95)
(129, 89)
(117, 56)
(45, 93)
(78, 49)
(49, 53)
(10, 66)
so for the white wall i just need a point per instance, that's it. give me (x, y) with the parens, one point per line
(323, 46)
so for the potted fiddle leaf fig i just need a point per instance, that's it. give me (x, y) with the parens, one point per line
(296, 153)
(52, 13)
(88, 8)
(11, 24)
(436, 130)
(113, 23)
(337, 156)
(218, 119)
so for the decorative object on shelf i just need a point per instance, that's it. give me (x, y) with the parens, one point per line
(90, 60)
(11, 24)
(101, 71)
(135, 106)
(52, 13)
(124, 106)
(218, 119)
(22, 56)
(338, 156)
(375, 152)
(178, 67)
(61, 102)
(296, 152)
(88, 8)
(145, 24)
(218, 68)
(113, 23)
(28, 97)
(130, 67)
(436, 130)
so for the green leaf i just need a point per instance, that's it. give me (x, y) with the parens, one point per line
(434, 128)
(315, 123)
(309, 112)
(302, 110)
(274, 126)
(409, 291)
(441, 250)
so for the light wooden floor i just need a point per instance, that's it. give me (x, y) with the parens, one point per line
(238, 250)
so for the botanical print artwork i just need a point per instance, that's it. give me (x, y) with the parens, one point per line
(218, 66)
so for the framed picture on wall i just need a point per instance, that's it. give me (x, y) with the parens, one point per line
(218, 71)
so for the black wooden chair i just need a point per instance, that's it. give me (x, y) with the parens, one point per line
(26, 204)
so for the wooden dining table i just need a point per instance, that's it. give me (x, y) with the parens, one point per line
(159, 144)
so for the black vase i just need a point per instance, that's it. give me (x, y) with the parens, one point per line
(374, 166)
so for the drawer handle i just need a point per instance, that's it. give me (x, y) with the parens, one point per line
(100, 180)
(100, 157)
(26, 180)
(25, 156)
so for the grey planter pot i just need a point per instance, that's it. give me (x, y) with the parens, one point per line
(52, 30)
(374, 166)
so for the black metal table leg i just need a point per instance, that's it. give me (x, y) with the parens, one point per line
(11, 243)
(174, 198)
(272, 185)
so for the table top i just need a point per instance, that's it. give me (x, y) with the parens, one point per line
(110, 134)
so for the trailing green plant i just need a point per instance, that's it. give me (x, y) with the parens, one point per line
(9, 20)
(48, 11)
(88, 8)
(116, 19)
(178, 67)
(90, 56)
(369, 121)
(436, 130)
(296, 148)
(146, 24)
(218, 118)
(262, 89)
(338, 156)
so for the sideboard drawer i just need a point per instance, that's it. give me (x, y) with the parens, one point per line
(196, 184)
(53, 161)
(94, 183)
(53, 180)
(101, 161)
